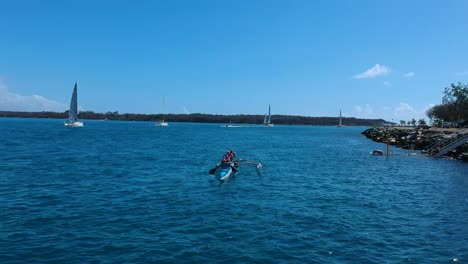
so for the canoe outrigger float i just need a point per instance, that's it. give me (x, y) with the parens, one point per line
(228, 167)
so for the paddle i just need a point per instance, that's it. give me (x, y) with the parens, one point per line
(212, 171)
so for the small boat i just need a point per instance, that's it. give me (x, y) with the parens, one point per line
(162, 122)
(230, 125)
(226, 172)
(72, 120)
(267, 118)
(377, 152)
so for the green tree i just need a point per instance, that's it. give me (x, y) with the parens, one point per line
(402, 122)
(422, 122)
(454, 105)
(413, 122)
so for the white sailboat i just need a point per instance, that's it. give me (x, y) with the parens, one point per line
(267, 118)
(72, 120)
(340, 124)
(162, 122)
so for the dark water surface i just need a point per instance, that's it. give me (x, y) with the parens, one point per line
(130, 192)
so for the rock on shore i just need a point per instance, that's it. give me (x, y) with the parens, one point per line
(417, 138)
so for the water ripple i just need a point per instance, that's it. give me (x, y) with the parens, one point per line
(131, 192)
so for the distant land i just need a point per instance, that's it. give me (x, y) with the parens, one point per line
(204, 118)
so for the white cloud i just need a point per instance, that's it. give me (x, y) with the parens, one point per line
(406, 112)
(10, 101)
(373, 72)
(408, 74)
(365, 111)
(403, 111)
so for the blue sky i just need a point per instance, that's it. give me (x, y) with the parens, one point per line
(372, 59)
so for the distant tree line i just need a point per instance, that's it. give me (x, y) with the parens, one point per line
(454, 107)
(204, 118)
(413, 122)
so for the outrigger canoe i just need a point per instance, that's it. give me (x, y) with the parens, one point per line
(225, 172)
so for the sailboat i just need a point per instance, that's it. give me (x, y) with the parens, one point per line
(162, 122)
(340, 124)
(72, 120)
(267, 118)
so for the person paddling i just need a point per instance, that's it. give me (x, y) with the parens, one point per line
(227, 159)
(232, 154)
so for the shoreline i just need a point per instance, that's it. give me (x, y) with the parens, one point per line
(418, 138)
(203, 118)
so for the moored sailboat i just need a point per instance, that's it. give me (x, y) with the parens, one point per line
(162, 122)
(267, 118)
(340, 124)
(72, 120)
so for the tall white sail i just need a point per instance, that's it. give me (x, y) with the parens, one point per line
(267, 118)
(164, 110)
(340, 122)
(269, 115)
(72, 120)
(340, 119)
(73, 105)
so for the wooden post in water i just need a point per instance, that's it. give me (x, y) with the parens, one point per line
(388, 144)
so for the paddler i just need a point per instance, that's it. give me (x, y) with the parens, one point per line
(227, 158)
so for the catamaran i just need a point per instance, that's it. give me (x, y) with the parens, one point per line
(162, 122)
(72, 120)
(267, 118)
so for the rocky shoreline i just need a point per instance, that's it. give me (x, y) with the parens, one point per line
(418, 138)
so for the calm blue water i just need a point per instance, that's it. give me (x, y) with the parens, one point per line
(130, 192)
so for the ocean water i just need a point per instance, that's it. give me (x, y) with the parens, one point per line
(130, 192)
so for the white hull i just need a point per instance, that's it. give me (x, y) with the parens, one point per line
(269, 125)
(228, 175)
(162, 123)
(231, 126)
(74, 124)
